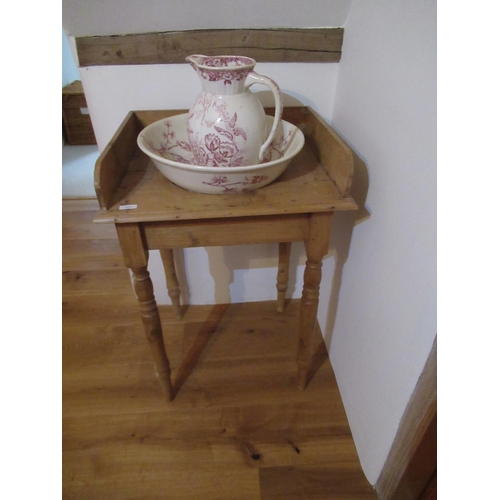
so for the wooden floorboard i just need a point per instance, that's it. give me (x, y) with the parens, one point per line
(238, 427)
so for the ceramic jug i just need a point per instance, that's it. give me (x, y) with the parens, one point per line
(227, 124)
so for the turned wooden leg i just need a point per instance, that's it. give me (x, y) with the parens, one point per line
(282, 279)
(174, 292)
(150, 317)
(316, 249)
(135, 254)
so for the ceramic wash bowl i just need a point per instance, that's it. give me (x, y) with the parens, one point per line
(208, 171)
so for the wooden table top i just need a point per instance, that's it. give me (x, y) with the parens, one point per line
(305, 186)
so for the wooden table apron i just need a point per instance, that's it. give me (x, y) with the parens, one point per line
(253, 218)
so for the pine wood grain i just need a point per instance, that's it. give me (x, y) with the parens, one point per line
(328, 147)
(248, 230)
(125, 176)
(115, 159)
(264, 45)
(174, 292)
(238, 428)
(284, 249)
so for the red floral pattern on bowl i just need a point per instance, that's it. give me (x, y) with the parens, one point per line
(165, 142)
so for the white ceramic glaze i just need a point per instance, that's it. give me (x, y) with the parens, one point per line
(227, 124)
(166, 143)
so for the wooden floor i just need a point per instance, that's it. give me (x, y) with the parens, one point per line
(238, 427)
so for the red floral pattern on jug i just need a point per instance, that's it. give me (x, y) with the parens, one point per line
(231, 75)
(227, 124)
(220, 147)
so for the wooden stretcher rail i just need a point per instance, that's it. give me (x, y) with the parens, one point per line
(247, 230)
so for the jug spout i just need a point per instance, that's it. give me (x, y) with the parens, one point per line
(228, 73)
(196, 60)
(221, 62)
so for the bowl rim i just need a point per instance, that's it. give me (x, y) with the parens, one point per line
(298, 138)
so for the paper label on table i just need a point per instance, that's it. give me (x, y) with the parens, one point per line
(127, 207)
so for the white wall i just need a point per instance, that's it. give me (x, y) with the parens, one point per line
(385, 107)
(113, 17)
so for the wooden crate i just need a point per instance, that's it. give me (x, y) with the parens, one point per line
(76, 120)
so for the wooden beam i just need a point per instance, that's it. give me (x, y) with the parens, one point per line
(172, 47)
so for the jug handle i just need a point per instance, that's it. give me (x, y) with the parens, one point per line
(278, 103)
